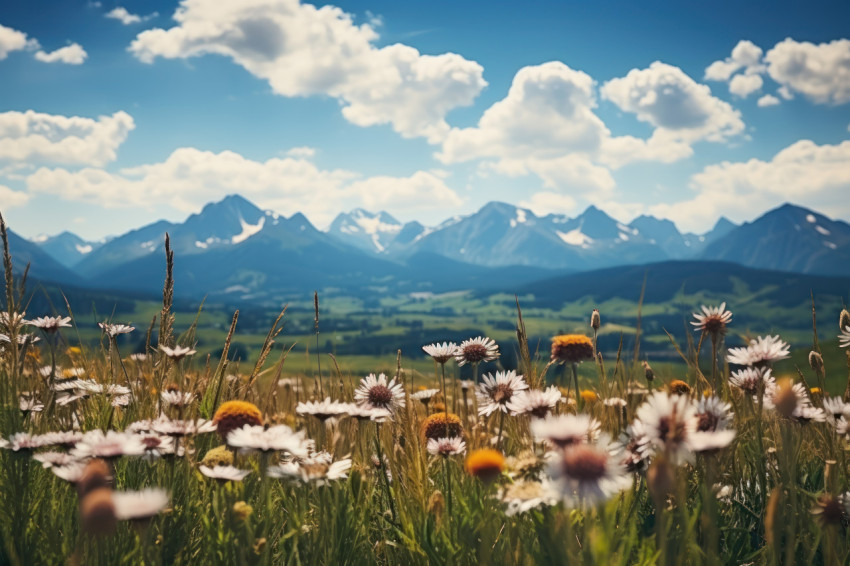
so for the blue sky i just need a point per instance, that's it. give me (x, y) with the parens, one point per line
(113, 115)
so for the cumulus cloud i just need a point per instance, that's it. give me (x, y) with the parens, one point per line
(11, 199)
(302, 50)
(302, 152)
(767, 100)
(14, 40)
(671, 101)
(35, 137)
(819, 72)
(189, 178)
(745, 85)
(545, 202)
(745, 55)
(804, 173)
(73, 54)
(122, 15)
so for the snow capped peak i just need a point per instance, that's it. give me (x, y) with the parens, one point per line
(248, 230)
(576, 238)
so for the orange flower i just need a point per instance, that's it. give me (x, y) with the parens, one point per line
(236, 414)
(679, 387)
(485, 464)
(589, 396)
(442, 425)
(572, 348)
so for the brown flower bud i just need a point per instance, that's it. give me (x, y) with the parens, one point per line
(816, 361)
(647, 371)
(843, 320)
(595, 321)
(785, 399)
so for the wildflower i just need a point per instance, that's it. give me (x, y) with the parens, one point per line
(71, 472)
(236, 414)
(713, 320)
(759, 352)
(496, 391)
(24, 441)
(108, 445)
(218, 456)
(375, 393)
(51, 459)
(363, 413)
(588, 396)
(92, 386)
(139, 505)
(51, 324)
(535, 402)
(242, 510)
(114, 330)
(485, 464)
(319, 468)
(589, 473)
(832, 510)
(711, 441)
(843, 319)
(476, 350)
(138, 357)
(713, 414)
(572, 348)
(523, 496)
(64, 439)
(844, 337)
(176, 398)
(786, 397)
(322, 410)
(30, 404)
(276, 438)
(750, 379)
(12, 320)
(178, 352)
(669, 422)
(648, 373)
(449, 446)
(614, 402)
(441, 425)
(563, 431)
(224, 473)
(595, 321)
(679, 387)
(836, 407)
(175, 427)
(816, 361)
(441, 352)
(156, 445)
(633, 441)
(425, 395)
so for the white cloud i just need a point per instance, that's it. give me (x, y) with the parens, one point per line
(14, 40)
(819, 72)
(671, 101)
(73, 54)
(11, 199)
(546, 202)
(767, 100)
(745, 85)
(746, 55)
(302, 152)
(189, 178)
(302, 50)
(37, 138)
(785, 93)
(122, 15)
(803, 173)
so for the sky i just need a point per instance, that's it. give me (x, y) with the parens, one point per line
(117, 114)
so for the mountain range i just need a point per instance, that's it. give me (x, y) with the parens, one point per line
(232, 248)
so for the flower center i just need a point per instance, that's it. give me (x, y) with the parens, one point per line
(540, 411)
(474, 353)
(671, 430)
(380, 395)
(707, 422)
(502, 393)
(714, 324)
(585, 463)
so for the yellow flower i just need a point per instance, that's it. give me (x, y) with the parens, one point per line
(679, 387)
(218, 456)
(236, 414)
(572, 348)
(589, 396)
(442, 425)
(485, 464)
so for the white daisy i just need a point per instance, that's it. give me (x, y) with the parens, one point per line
(835, 407)
(278, 438)
(114, 330)
(176, 398)
(712, 319)
(844, 337)
(224, 473)
(65, 439)
(51, 459)
(614, 402)
(139, 505)
(138, 357)
(376, 393)
(761, 351)
(29, 404)
(496, 391)
(157, 445)
(177, 353)
(322, 410)
(318, 467)
(748, 379)
(176, 427)
(563, 431)
(713, 414)
(522, 496)
(633, 441)
(669, 421)
(112, 444)
(535, 402)
(711, 441)
(51, 324)
(24, 441)
(441, 352)
(363, 413)
(476, 350)
(425, 395)
(72, 472)
(589, 473)
(450, 446)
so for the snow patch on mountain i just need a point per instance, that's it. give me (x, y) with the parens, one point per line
(248, 230)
